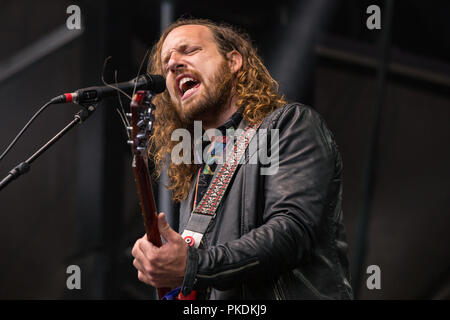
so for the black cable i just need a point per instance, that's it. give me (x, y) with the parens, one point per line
(26, 127)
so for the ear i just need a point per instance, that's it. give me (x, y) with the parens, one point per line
(234, 59)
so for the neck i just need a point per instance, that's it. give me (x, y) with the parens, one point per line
(216, 120)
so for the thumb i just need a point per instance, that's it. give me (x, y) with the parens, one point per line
(165, 230)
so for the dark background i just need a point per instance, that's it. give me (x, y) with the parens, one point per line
(78, 204)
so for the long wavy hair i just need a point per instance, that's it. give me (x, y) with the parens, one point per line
(255, 89)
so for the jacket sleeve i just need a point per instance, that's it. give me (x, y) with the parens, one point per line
(294, 200)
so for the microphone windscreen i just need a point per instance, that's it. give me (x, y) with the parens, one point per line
(156, 83)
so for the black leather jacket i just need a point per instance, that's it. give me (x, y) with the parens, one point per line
(278, 236)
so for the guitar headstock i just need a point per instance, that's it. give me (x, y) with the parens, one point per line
(142, 119)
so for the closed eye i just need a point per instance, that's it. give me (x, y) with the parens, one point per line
(184, 50)
(192, 50)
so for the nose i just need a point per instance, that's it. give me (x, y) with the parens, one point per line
(175, 62)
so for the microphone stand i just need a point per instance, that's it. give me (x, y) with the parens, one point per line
(24, 167)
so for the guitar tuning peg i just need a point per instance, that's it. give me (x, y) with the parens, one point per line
(141, 148)
(129, 129)
(128, 115)
(141, 123)
(130, 142)
(140, 136)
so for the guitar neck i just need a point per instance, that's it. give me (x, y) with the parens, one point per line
(147, 201)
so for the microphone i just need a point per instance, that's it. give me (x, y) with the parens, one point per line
(154, 83)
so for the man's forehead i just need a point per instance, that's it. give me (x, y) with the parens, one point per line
(185, 34)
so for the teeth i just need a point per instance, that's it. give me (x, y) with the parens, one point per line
(188, 91)
(183, 81)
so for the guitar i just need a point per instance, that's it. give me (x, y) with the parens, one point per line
(141, 126)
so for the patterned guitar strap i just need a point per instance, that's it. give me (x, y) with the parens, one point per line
(206, 209)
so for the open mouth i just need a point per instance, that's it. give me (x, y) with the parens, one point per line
(187, 85)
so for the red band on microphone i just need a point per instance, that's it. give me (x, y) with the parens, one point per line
(68, 97)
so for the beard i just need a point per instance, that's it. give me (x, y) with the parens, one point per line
(213, 99)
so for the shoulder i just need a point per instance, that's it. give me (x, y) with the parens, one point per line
(299, 120)
(292, 112)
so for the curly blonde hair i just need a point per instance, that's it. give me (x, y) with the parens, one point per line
(255, 89)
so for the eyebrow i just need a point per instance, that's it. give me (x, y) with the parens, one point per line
(166, 55)
(181, 46)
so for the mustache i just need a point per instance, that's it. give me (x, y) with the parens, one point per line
(185, 70)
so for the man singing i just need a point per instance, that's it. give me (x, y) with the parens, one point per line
(271, 229)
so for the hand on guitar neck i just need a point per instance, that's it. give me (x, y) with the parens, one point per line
(161, 267)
